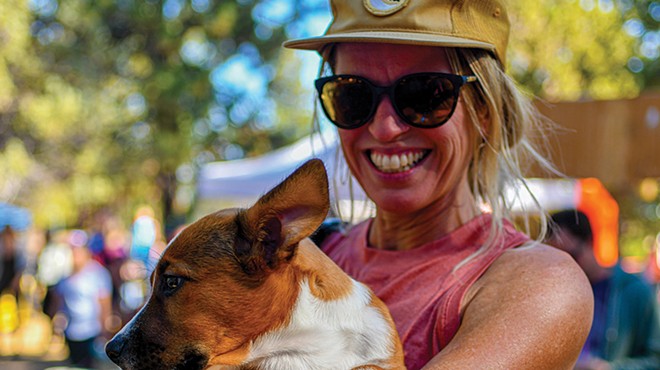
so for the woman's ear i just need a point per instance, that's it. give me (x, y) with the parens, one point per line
(328, 58)
(483, 115)
(478, 113)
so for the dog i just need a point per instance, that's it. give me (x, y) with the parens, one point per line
(247, 289)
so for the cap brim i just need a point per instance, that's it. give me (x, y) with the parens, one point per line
(391, 37)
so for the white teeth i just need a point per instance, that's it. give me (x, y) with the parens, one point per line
(404, 160)
(385, 163)
(396, 162)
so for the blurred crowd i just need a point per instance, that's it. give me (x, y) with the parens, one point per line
(64, 293)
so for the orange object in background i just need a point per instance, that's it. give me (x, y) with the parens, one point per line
(603, 213)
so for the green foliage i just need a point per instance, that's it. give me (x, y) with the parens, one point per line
(106, 103)
(570, 49)
(105, 100)
(639, 227)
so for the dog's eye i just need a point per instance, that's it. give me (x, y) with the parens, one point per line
(173, 283)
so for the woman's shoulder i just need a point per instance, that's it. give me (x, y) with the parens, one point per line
(536, 296)
(541, 270)
(535, 253)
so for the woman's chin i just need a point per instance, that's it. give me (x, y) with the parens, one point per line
(401, 202)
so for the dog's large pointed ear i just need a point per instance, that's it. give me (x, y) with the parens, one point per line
(288, 213)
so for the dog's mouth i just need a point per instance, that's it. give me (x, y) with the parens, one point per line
(192, 360)
(153, 360)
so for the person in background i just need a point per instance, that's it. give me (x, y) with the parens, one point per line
(10, 266)
(116, 246)
(84, 302)
(54, 263)
(434, 130)
(625, 333)
(145, 230)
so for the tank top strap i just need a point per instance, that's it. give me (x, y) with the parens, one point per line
(468, 272)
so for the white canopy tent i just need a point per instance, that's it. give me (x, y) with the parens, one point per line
(239, 183)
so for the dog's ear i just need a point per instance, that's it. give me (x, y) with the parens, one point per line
(288, 213)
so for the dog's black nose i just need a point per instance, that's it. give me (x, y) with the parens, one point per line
(114, 347)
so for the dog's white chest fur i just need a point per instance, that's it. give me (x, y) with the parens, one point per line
(338, 334)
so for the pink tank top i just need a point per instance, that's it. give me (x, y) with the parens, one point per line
(419, 285)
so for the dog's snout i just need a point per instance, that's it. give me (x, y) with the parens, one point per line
(114, 348)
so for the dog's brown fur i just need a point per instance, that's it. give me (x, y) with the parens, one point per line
(234, 275)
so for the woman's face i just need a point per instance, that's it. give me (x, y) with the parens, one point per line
(440, 156)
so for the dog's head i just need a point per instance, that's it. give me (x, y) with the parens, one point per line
(224, 280)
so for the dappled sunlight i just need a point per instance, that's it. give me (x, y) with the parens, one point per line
(124, 120)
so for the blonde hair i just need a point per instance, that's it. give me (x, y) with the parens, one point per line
(505, 122)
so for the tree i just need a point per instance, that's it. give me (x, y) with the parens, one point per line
(129, 94)
(115, 103)
(570, 49)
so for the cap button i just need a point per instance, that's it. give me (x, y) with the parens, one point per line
(497, 12)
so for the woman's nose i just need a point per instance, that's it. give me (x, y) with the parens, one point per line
(386, 125)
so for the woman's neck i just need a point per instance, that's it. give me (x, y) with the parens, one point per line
(395, 231)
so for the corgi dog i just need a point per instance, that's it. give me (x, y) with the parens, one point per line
(247, 289)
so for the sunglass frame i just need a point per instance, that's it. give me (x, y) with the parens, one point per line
(378, 91)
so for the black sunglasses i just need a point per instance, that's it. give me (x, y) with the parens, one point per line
(424, 100)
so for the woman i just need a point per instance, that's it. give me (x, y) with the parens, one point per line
(431, 128)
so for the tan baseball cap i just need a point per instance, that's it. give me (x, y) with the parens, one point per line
(482, 24)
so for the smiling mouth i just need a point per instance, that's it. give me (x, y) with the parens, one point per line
(396, 163)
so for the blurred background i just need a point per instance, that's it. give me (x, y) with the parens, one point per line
(123, 120)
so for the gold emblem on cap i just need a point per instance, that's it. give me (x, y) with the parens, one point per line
(384, 7)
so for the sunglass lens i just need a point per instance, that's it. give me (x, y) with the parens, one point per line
(425, 101)
(347, 101)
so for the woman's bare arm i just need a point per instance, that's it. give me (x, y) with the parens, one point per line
(532, 309)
